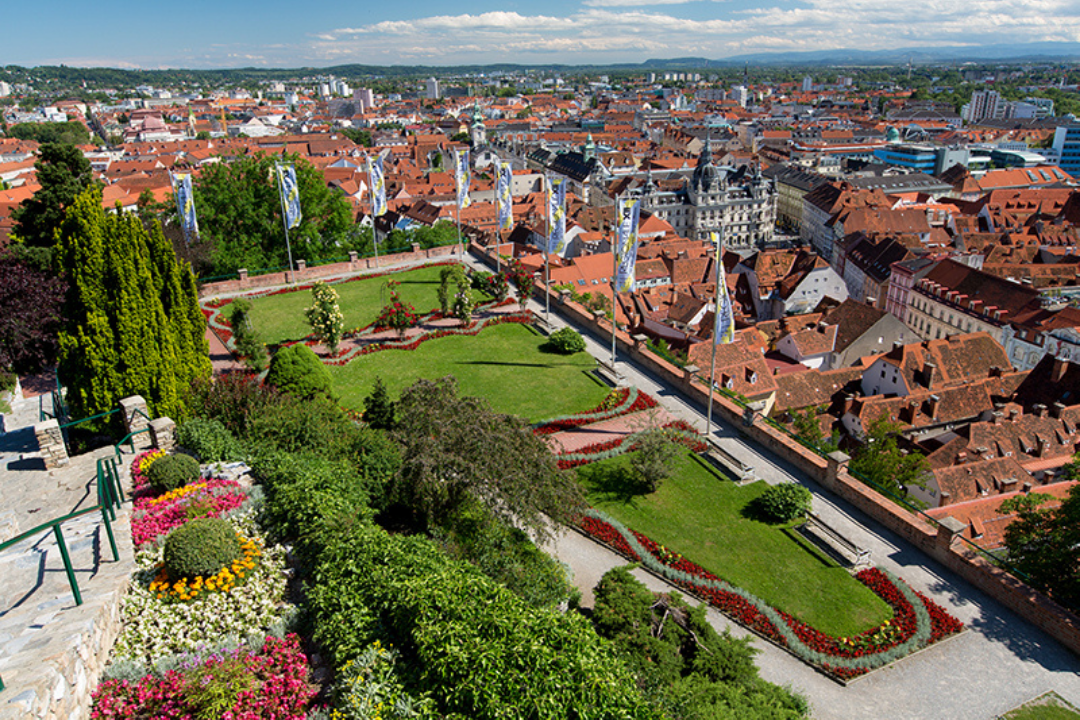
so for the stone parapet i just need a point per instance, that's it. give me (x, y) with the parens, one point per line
(50, 439)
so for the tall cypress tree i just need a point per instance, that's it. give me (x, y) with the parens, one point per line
(132, 322)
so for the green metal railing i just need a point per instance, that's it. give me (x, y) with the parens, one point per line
(58, 409)
(109, 497)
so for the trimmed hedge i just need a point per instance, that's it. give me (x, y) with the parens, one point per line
(172, 471)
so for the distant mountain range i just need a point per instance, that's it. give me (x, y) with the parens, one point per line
(1041, 51)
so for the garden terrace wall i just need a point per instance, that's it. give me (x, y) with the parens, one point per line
(305, 274)
(936, 541)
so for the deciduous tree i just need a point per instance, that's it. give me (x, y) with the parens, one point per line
(64, 173)
(30, 302)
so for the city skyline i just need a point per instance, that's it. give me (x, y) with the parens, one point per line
(278, 34)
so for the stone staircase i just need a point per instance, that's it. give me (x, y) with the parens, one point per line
(52, 651)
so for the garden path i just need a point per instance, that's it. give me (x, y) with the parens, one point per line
(605, 430)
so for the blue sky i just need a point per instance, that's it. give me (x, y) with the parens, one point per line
(233, 33)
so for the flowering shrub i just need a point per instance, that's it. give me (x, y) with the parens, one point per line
(917, 620)
(324, 315)
(269, 683)
(397, 315)
(156, 626)
(225, 580)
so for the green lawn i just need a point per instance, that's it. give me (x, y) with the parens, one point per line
(700, 515)
(279, 318)
(1050, 706)
(503, 363)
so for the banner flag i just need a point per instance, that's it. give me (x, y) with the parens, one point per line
(290, 195)
(626, 242)
(556, 215)
(724, 329)
(185, 204)
(462, 177)
(503, 195)
(378, 187)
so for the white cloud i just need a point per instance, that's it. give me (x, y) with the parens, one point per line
(633, 30)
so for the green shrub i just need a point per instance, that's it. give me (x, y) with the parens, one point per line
(566, 341)
(784, 503)
(245, 338)
(172, 471)
(297, 370)
(210, 440)
(200, 548)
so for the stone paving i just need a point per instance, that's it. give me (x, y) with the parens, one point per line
(570, 441)
(52, 650)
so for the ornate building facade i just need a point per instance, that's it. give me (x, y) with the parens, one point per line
(742, 202)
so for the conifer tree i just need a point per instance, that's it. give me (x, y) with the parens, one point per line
(132, 323)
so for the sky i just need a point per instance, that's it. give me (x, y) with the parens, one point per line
(275, 33)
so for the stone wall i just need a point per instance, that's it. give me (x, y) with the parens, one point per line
(932, 539)
(306, 274)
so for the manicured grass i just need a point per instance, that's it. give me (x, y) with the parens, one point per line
(279, 318)
(703, 517)
(503, 363)
(1047, 707)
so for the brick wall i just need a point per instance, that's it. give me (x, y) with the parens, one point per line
(307, 274)
(935, 541)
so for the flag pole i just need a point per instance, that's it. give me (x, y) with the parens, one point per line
(715, 340)
(374, 219)
(614, 272)
(291, 277)
(547, 256)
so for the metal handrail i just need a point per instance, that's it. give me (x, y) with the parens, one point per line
(110, 496)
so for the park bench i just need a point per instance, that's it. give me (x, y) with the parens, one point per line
(744, 474)
(823, 532)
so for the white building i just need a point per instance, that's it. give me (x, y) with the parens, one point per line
(432, 89)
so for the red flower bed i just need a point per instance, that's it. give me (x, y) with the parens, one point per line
(268, 684)
(644, 401)
(892, 633)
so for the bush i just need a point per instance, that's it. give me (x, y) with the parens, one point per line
(246, 339)
(234, 399)
(654, 458)
(200, 548)
(297, 370)
(172, 471)
(210, 440)
(566, 341)
(784, 503)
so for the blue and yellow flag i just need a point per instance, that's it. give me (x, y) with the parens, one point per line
(185, 204)
(378, 187)
(724, 329)
(504, 197)
(290, 195)
(556, 215)
(462, 177)
(626, 242)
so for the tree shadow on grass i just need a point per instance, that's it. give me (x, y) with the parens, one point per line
(508, 364)
(611, 483)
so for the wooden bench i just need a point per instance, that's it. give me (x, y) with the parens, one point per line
(609, 371)
(824, 532)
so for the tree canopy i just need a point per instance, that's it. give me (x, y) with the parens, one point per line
(881, 460)
(71, 132)
(456, 448)
(30, 301)
(64, 172)
(239, 212)
(1044, 544)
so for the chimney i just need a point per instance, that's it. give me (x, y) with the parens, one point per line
(907, 413)
(932, 406)
(1042, 445)
(1058, 370)
(961, 457)
(1040, 409)
(1013, 414)
(1057, 409)
(929, 371)
(995, 371)
(821, 327)
(997, 417)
